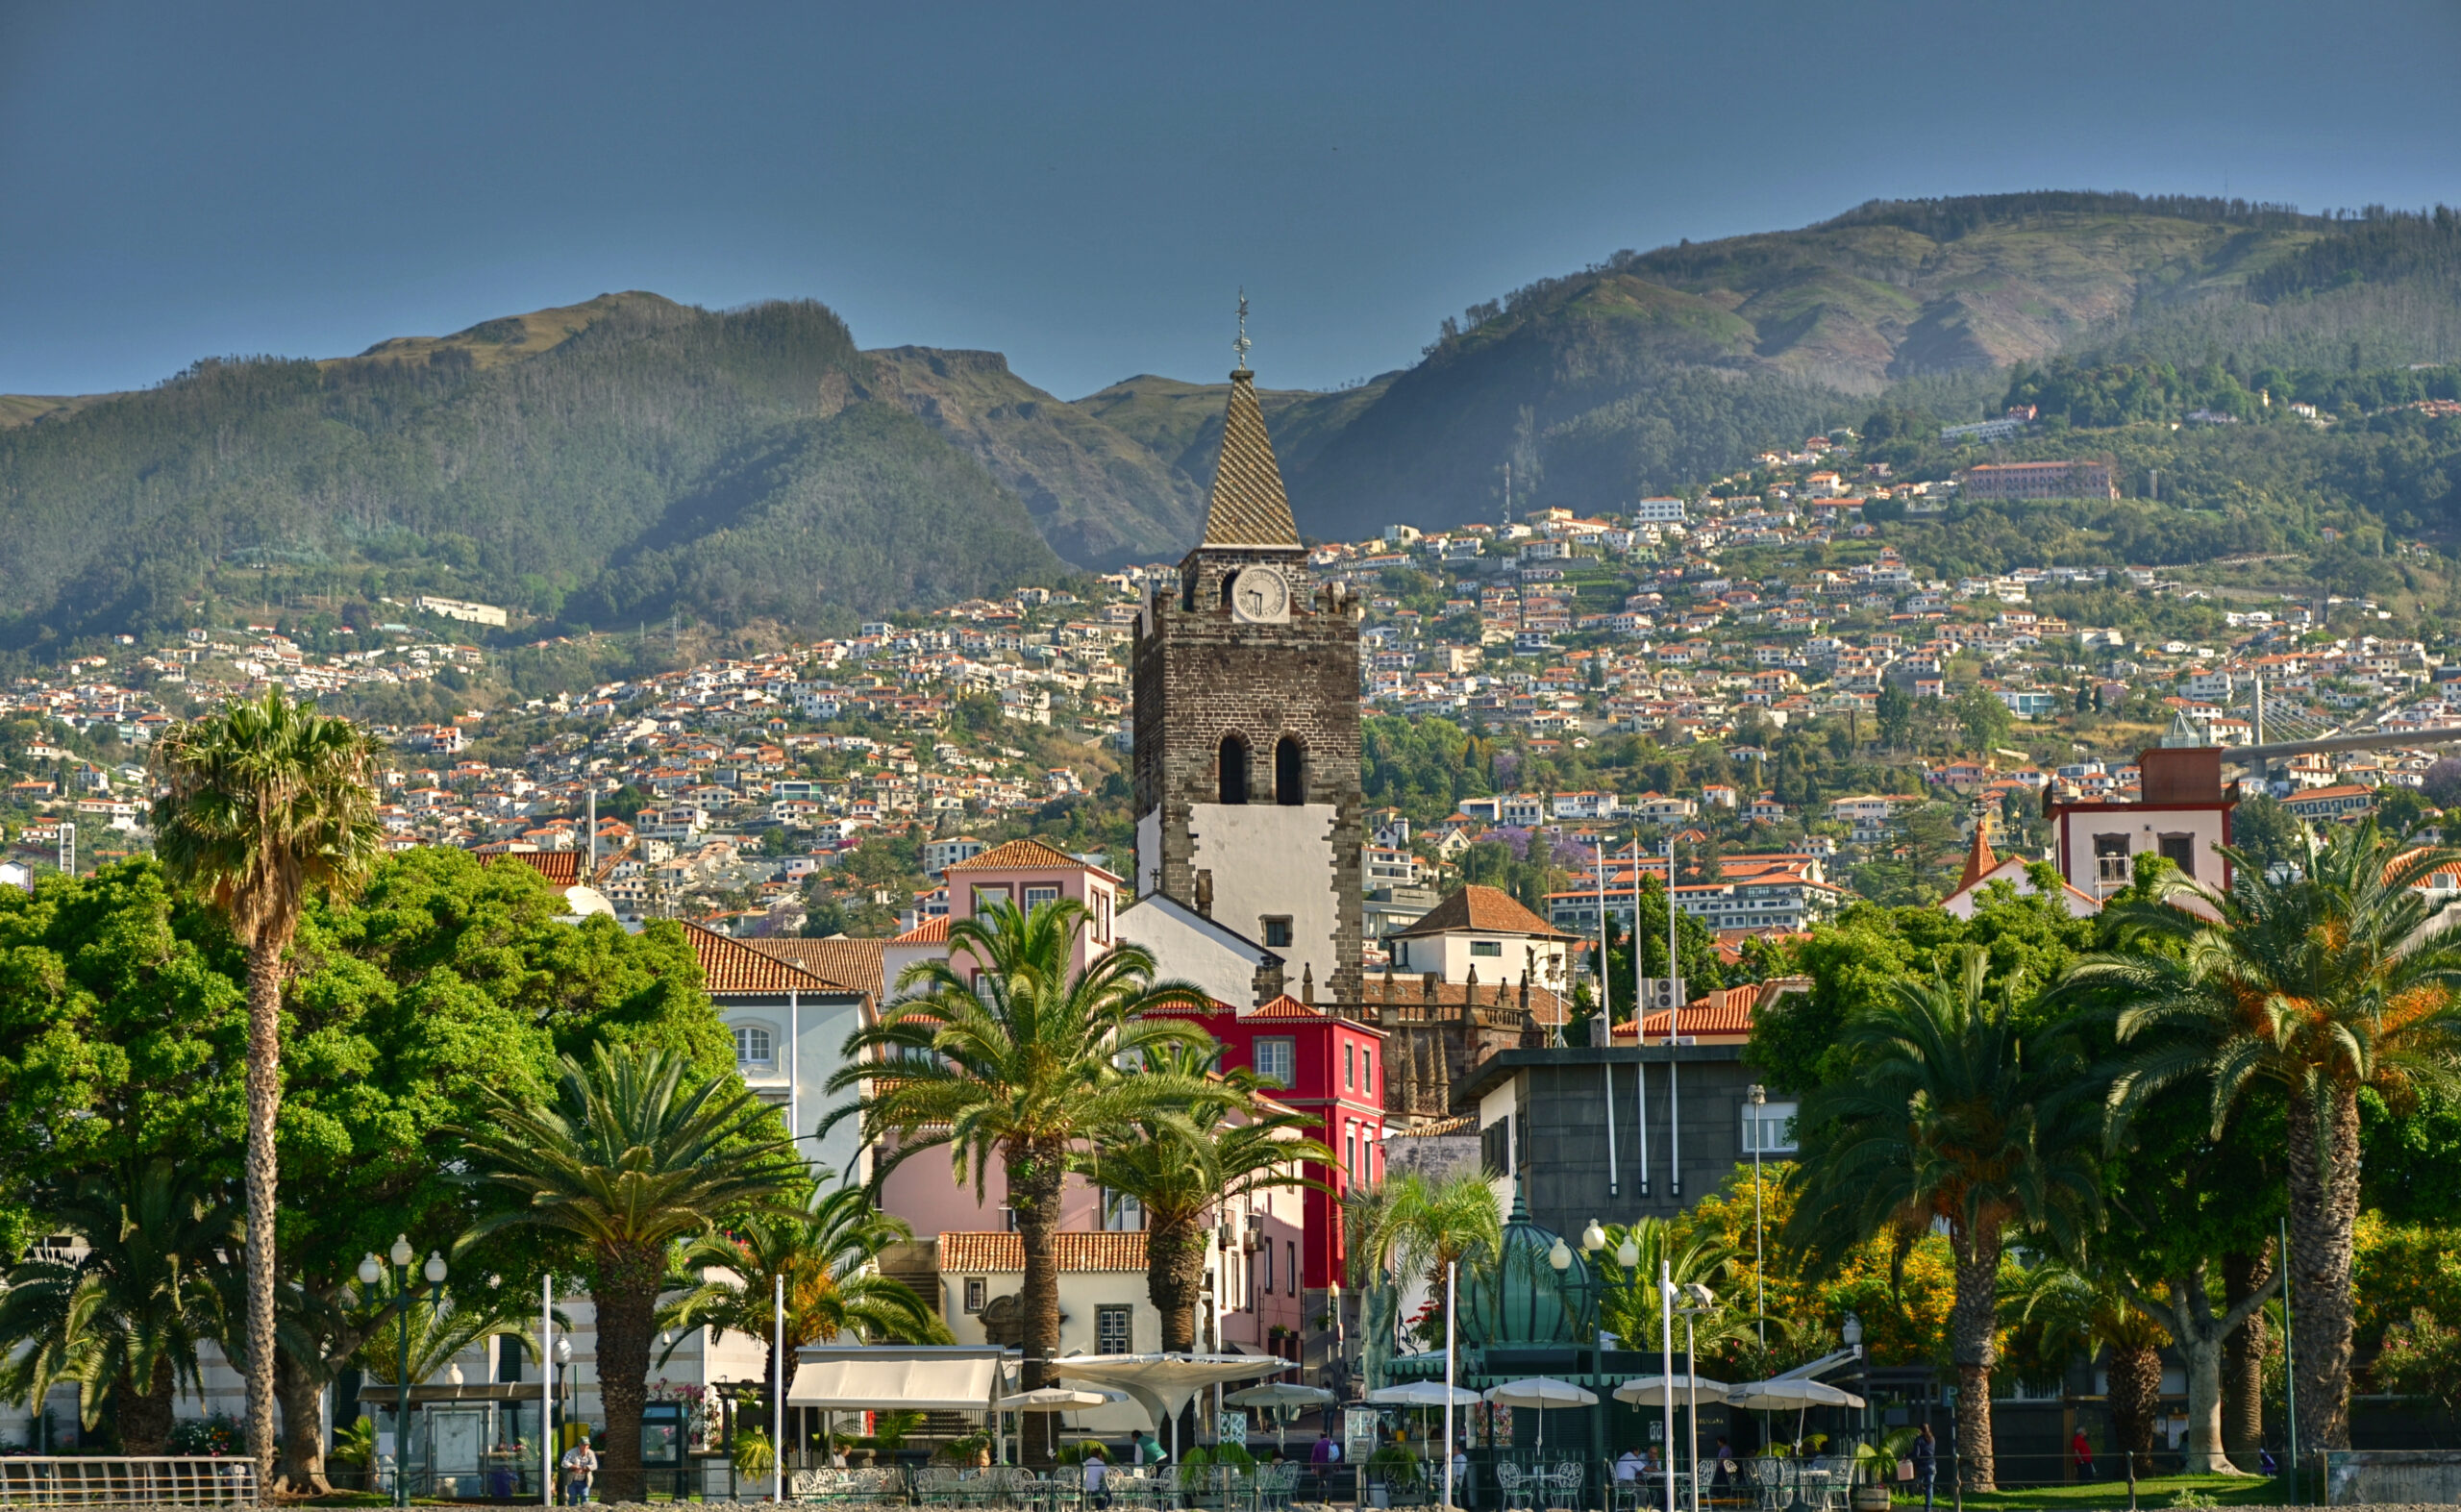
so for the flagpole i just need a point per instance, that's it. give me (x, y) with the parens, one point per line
(1450, 1267)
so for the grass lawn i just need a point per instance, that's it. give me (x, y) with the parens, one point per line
(2160, 1491)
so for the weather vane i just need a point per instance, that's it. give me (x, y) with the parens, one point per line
(1240, 346)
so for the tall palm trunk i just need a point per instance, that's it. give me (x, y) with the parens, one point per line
(2243, 1359)
(265, 1105)
(2323, 1209)
(626, 1299)
(301, 1471)
(1973, 1322)
(1175, 1279)
(2135, 1373)
(1035, 1176)
(144, 1417)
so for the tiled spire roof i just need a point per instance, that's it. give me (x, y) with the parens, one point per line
(1249, 507)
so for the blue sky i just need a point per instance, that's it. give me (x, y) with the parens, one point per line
(1087, 187)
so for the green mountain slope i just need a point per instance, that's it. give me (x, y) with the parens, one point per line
(1652, 370)
(610, 455)
(1099, 497)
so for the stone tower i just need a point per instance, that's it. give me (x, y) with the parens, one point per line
(1247, 755)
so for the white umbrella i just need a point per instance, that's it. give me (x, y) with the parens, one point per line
(1541, 1392)
(1424, 1394)
(1058, 1399)
(1284, 1398)
(1653, 1391)
(1163, 1383)
(1789, 1392)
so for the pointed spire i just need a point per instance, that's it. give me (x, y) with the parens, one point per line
(1249, 507)
(1980, 861)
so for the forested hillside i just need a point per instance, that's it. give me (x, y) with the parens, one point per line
(619, 460)
(629, 460)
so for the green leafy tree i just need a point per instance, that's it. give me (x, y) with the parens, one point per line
(1948, 1116)
(1182, 1164)
(1020, 1065)
(636, 1153)
(2316, 987)
(125, 1319)
(2061, 1311)
(1984, 720)
(1629, 1304)
(262, 803)
(2422, 1357)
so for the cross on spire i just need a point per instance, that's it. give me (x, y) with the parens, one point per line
(1240, 345)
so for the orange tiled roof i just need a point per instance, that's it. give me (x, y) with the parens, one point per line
(931, 931)
(972, 1252)
(1028, 854)
(1727, 1011)
(561, 868)
(1286, 1006)
(730, 966)
(1487, 909)
(849, 962)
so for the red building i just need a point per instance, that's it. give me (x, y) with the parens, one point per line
(1330, 1070)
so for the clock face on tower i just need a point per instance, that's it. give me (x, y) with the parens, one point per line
(1260, 595)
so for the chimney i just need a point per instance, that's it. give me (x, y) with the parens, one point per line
(1307, 984)
(1204, 892)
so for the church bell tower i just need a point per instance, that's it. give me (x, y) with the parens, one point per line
(1248, 799)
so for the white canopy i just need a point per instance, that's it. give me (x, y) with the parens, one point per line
(1768, 1396)
(894, 1377)
(1541, 1391)
(1280, 1394)
(1424, 1394)
(1164, 1383)
(1653, 1391)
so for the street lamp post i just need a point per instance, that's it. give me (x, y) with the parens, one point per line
(1702, 1301)
(1852, 1331)
(371, 1271)
(1758, 1096)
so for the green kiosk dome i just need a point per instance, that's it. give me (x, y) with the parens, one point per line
(1528, 1302)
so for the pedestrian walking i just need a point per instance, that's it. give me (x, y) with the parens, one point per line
(1927, 1462)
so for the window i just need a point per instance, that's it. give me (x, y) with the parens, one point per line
(1276, 1060)
(1268, 1270)
(1112, 1334)
(1278, 932)
(1349, 1068)
(1102, 916)
(1038, 897)
(1367, 1071)
(1289, 773)
(1228, 579)
(2180, 850)
(2110, 859)
(1486, 948)
(1122, 1213)
(1495, 1148)
(977, 1290)
(1234, 764)
(1769, 1128)
(1350, 1156)
(985, 896)
(1290, 1268)
(755, 1050)
(508, 1351)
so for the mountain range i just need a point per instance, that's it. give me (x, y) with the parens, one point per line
(628, 459)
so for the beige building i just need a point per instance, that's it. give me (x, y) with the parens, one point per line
(1483, 929)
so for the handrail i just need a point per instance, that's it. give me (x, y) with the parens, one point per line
(68, 1480)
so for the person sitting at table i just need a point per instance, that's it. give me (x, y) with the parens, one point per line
(1627, 1469)
(1725, 1477)
(1651, 1465)
(1096, 1471)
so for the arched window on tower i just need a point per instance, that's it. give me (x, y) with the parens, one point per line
(1228, 579)
(1234, 770)
(1290, 772)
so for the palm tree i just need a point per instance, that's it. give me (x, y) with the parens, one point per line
(124, 1319)
(2318, 983)
(1628, 1305)
(437, 1334)
(258, 804)
(1947, 1117)
(2074, 1310)
(1412, 1227)
(1182, 1164)
(826, 1253)
(630, 1160)
(1020, 1064)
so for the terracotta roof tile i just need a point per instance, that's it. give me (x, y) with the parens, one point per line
(965, 1252)
(1286, 1006)
(561, 868)
(848, 962)
(1489, 910)
(1018, 855)
(931, 931)
(730, 966)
